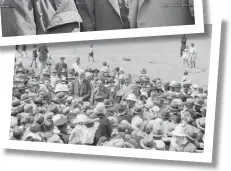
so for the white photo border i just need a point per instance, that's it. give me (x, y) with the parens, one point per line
(7, 56)
(198, 27)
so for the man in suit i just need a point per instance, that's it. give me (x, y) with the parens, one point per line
(80, 87)
(59, 67)
(157, 13)
(103, 14)
(33, 17)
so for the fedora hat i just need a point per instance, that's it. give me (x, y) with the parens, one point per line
(108, 103)
(164, 113)
(137, 123)
(62, 57)
(59, 120)
(174, 107)
(137, 110)
(39, 118)
(157, 131)
(199, 102)
(25, 98)
(189, 102)
(148, 143)
(100, 108)
(191, 133)
(144, 94)
(201, 124)
(177, 85)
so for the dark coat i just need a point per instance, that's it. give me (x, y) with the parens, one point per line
(59, 67)
(104, 128)
(99, 14)
(96, 92)
(83, 90)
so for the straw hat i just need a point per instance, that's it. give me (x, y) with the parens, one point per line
(100, 108)
(160, 145)
(157, 131)
(55, 139)
(148, 143)
(164, 113)
(137, 110)
(143, 71)
(59, 120)
(179, 130)
(131, 97)
(191, 133)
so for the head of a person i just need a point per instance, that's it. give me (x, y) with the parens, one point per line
(121, 78)
(158, 82)
(100, 82)
(62, 59)
(91, 45)
(185, 72)
(192, 44)
(126, 79)
(34, 46)
(104, 63)
(49, 64)
(154, 92)
(117, 69)
(77, 59)
(47, 82)
(81, 74)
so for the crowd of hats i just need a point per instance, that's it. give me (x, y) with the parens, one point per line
(154, 115)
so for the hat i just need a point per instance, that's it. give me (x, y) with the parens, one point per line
(61, 88)
(137, 123)
(87, 105)
(55, 99)
(144, 94)
(96, 70)
(137, 110)
(21, 86)
(61, 95)
(199, 102)
(201, 124)
(171, 96)
(39, 118)
(38, 100)
(131, 97)
(144, 78)
(48, 115)
(13, 122)
(25, 98)
(49, 62)
(113, 121)
(121, 76)
(55, 139)
(160, 145)
(35, 127)
(108, 103)
(189, 102)
(179, 130)
(62, 58)
(17, 132)
(176, 85)
(191, 133)
(164, 113)
(100, 108)
(59, 120)
(149, 104)
(174, 106)
(195, 86)
(120, 109)
(157, 131)
(143, 71)
(148, 142)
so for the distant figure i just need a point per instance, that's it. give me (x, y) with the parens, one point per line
(185, 56)
(59, 67)
(34, 57)
(21, 49)
(193, 55)
(43, 55)
(91, 54)
(77, 65)
(183, 44)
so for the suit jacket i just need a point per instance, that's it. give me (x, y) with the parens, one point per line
(59, 67)
(83, 90)
(100, 14)
(31, 17)
(96, 91)
(157, 13)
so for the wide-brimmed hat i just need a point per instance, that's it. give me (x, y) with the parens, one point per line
(62, 57)
(164, 113)
(100, 108)
(157, 131)
(144, 79)
(61, 96)
(160, 145)
(199, 102)
(25, 98)
(61, 88)
(113, 121)
(87, 106)
(108, 103)
(179, 130)
(144, 94)
(137, 123)
(177, 85)
(59, 119)
(148, 142)
(55, 139)
(21, 86)
(191, 133)
(137, 110)
(201, 124)
(143, 71)
(174, 107)
(96, 70)
(172, 96)
(120, 109)
(131, 97)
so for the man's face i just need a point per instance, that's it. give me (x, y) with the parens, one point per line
(62, 60)
(82, 76)
(158, 83)
(130, 103)
(122, 81)
(154, 93)
(77, 60)
(126, 80)
(99, 83)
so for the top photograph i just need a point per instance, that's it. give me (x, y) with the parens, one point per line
(20, 18)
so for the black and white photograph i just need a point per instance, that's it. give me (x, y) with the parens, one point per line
(45, 17)
(148, 94)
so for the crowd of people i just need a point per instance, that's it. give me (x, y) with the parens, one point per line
(105, 107)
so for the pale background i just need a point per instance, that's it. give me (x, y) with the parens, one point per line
(17, 160)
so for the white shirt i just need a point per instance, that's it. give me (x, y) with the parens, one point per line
(193, 50)
(76, 67)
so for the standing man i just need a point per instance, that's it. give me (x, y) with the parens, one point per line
(77, 65)
(104, 14)
(60, 66)
(91, 54)
(159, 13)
(34, 57)
(183, 44)
(80, 87)
(193, 55)
(43, 55)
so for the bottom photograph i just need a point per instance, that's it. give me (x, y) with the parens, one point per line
(146, 93)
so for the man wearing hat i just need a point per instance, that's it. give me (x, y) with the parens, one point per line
(43, 52)
(80, 87)
(54, 78)
(60, 66)
(100, 90)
